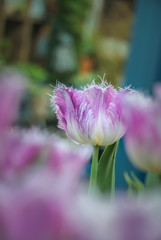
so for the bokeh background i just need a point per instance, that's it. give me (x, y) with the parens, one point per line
(70, 41)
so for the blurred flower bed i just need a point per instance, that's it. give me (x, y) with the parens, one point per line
(44, 194)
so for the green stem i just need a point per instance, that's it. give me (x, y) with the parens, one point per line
(94, 168)
(113, 173)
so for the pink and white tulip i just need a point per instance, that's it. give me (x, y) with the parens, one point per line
(142, 115)
(91, 116)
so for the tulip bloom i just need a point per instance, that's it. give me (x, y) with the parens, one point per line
(90, 116)
(143, 137)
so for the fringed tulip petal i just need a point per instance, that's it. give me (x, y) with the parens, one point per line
(92, 115)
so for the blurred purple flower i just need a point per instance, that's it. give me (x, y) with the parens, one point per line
(22, 149)
(90, 116)
(17, 154)
(65, 156)
(44, 207)
(135, 219)
(143, 137)
(37, 208)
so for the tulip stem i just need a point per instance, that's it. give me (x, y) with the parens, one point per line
(94, 169)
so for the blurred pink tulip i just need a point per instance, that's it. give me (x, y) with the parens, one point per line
(44, 207)
(22, 149)
(142, 115)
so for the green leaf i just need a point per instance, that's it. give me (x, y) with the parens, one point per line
(152, 180)
(130, 183)
(106, 169)
(139, 184)
(134, 184)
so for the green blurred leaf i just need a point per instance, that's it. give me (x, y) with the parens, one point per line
(33, 71)
(152, 180)
(134, 183)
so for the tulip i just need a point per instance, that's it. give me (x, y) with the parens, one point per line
(89, 116)
(24, 149)
(142, 115)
